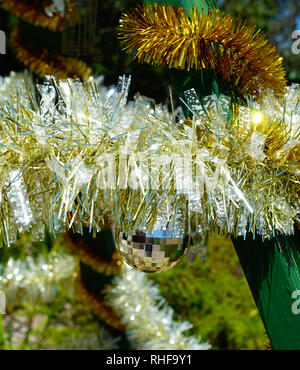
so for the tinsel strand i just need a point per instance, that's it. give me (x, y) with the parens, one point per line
(85, 253)
(81, 150)
(42, 63)
(164, 35)
(34, 12)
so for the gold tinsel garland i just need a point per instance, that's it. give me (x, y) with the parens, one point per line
(40, 62)
(85, 253)
(34, 12)
(163, 35)
(100, 308)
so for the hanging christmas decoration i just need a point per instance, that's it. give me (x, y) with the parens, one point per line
(160, 250)
(237, 174)
(152, 253)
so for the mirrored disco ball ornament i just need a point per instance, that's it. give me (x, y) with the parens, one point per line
(152, 253)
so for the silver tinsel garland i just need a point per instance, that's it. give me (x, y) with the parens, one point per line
(147, 316)
(75, 152)
(36, 280)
